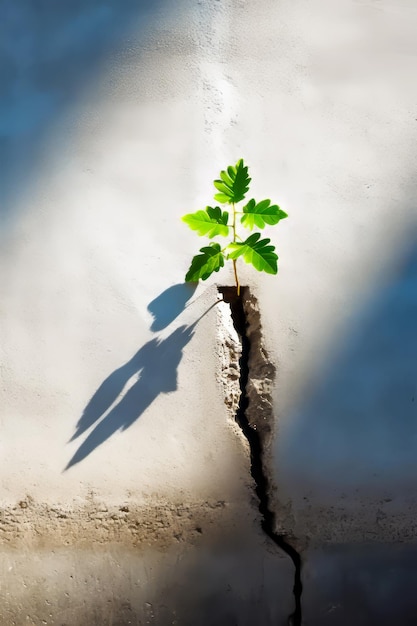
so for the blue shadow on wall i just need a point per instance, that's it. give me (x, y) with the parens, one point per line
(150, 372)
(169, 304)
(50, 52)
(154, 367)
(357, 426)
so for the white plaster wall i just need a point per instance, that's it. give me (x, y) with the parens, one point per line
(342, 314)
(91, 238)
(119, 461)
(329, 104)
(115, 119)
(337, 97)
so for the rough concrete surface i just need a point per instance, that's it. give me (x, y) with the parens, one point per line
(364, 583)
(121, 464)
(167, 564)
(120, 586)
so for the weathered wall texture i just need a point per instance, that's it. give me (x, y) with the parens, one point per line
(126, 492)
(342, 316)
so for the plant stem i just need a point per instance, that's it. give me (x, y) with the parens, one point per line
(234, 241)
(236, 278)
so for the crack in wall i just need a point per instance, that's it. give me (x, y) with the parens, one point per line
(253, 412)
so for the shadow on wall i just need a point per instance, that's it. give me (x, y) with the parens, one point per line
(363, 584)
(358, 427)
(215, 568)
(222, 574)
(169, 304)
(154, 367)
(222, 582)
(49, 53)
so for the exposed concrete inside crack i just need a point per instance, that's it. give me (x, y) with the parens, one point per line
(253, 411)
(230, 352)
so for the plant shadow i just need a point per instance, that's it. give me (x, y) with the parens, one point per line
(128, 391)
(154, 371)
(169, 304)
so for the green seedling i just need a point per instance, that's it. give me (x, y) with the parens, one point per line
(211, 222)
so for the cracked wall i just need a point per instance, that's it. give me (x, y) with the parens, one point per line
(126, 491)
(250, 402)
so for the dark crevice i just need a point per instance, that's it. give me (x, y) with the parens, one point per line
(256, 445)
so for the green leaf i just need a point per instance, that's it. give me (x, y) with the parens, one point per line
(226, 178)
(257, 252)
(211, 222)
(203, 265)
(261, 214)
(232, 184)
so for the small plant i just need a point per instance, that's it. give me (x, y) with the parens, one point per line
(215, 222)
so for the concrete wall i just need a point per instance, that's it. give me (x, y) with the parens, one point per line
(126, 491)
